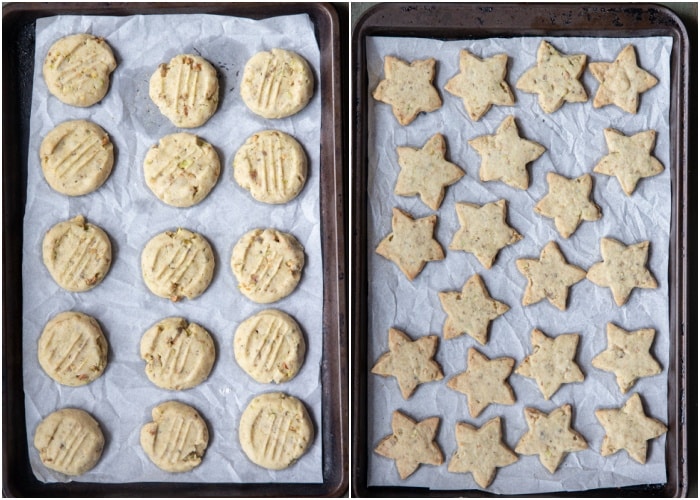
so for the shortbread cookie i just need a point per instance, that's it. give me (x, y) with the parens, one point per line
(277, 84)
(426, 172)
(409, 361)
(408, 88)
(181, 169)
(69, 441)
(177, 264)
(269, 346)
(568, 202)
(77, 69)
(555, 78)
(177, 438)
(178, 354)
(77, 254)
(275, 430)
(186, 90)
(272, 166)
(411, 443)
(72, 349)
(267, 264)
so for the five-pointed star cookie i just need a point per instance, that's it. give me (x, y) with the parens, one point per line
(628, 356)
(549, 277)
(481, 451)
(483, 230)
(623, 268)
(425, 171)
(481, 83)
(411, 244)
(484, 382)
(505, 155)
(555, 78)
(628, 428)
(411, 444)
(629, 158)
(551, 363)
(408, 88)
(410, 361)
(621, 81)
(568, 202)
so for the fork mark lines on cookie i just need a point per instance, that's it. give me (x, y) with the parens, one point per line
(77, 265)
(273, 335)
(277, 437)
(70, 163)
(70, 353)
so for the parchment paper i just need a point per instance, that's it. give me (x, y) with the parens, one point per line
(122, 399)
(574, 140)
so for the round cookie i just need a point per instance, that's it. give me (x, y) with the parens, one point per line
(163, 442)
(177, 264)
(277, 84)
(72, 349)
(76, 157)
(186, 90)
(178, 355)
(275, 430)
(69, 441)
(269, 346)
(77, 69)
(272, 166)
(181, 169)
(77, 254)
(267, 264)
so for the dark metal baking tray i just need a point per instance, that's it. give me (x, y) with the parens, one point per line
(18, 68)
(465, 21)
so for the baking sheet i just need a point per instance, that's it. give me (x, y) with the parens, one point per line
(574, 140)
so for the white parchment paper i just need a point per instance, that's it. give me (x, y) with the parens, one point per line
(122, 399)
(574, 140)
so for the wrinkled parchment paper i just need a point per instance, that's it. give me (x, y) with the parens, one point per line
(122, 399)
(574, 139)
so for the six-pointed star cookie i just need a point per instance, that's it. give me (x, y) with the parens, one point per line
(623, 268)
(621, 81)
(568, 202)
(629, 158)
(555, 78)
(628, 428)
(411, 244)
(411, 444)
(425, 171)
(480, 451)
(481, 83)
(505, 155)
(410, 361)
(408, 88)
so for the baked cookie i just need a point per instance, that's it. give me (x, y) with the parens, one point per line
(186, 90)
(272, 166)
(568, 202)
(72, 349)
(77, 69)
(77, 254)
(69, 441)
(181, 169)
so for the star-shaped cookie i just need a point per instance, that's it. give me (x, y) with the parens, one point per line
(629, 158)
(481, 83)
(555, 78)
(549, 277)
(483, 230)
(505, 155)
(623, 268)
(568, 202)
(621, 81)
(481, 451)
(408, 88)
(425, 172)
(552, 362)
(411, 444)
(411, 244)
(628, 428)
(410, 361)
